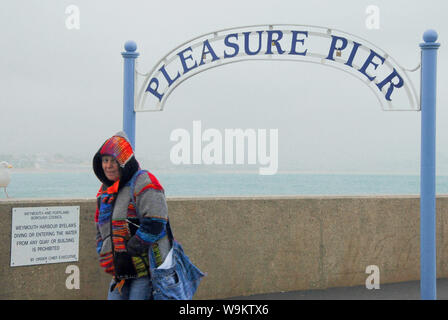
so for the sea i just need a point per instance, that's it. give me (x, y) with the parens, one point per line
(84, 184)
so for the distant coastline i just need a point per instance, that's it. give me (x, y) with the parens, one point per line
(48, 170)
(216, 171)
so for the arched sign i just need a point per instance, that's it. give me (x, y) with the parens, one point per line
(358, 57)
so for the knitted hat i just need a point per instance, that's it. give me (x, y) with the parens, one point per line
(117, 146)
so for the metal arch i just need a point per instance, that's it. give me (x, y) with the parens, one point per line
(326, 32)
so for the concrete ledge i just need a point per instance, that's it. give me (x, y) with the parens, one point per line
(253, 245)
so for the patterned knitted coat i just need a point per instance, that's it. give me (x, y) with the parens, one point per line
(117, 220)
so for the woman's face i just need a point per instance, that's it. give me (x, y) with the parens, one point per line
(110, 168)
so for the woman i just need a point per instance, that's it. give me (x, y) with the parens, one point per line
(128, 226)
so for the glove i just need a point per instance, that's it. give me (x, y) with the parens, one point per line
(136, 247)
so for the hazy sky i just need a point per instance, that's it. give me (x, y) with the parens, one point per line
(62, 89)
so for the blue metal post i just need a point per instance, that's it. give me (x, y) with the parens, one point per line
(128, 91)
(428, 166)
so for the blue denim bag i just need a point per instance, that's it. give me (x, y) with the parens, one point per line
(181, 280)
(178, 282)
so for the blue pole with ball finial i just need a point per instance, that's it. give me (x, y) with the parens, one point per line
(128, 91)
(428, 166)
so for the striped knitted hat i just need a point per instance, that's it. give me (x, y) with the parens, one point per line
(119, 147)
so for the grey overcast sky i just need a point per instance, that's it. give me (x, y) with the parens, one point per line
(61, 89)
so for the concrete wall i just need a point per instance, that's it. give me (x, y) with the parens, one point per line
(250, 245)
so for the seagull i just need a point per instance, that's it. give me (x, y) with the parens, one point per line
(4, 175)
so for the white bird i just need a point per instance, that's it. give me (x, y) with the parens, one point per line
(5, 178)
